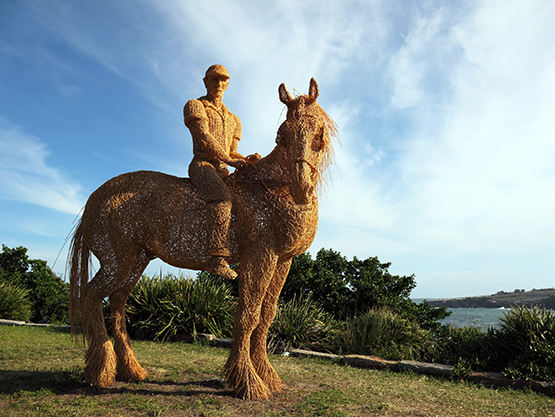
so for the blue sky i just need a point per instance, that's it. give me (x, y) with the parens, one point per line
(445, 110)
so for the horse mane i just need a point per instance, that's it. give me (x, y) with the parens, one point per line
(331, 134)
(295, 108)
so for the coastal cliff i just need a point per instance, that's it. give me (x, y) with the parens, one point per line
(544, 298)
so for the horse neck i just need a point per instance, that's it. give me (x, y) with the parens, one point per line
(274, 167)
(274, 171)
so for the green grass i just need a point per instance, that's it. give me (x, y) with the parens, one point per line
(41, 375)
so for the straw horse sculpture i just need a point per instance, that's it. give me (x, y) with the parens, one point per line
(143, 215)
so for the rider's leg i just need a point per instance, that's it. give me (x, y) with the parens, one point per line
(218, 219)
(218, 216)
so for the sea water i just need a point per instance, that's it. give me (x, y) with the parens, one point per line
(481, 317)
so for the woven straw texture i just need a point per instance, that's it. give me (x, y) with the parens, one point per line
(138, 216)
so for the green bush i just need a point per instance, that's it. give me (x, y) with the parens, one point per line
(165, 308)
(527, 339)
(48, 294)
(301, 323)
(523, 346)
(347, 288)
(14, 303)
(383, 333)
(470, 345)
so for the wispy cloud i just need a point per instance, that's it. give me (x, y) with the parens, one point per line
(266, 44)
(479, 178)
(26, 176)
(468, 187)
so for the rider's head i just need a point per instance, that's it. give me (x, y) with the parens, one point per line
(216, 81)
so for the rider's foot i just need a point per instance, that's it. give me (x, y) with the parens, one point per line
(219, 266)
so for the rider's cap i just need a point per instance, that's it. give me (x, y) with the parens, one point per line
(216, 70)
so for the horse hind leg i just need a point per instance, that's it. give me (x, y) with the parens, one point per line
(100, 359)
(128, 368)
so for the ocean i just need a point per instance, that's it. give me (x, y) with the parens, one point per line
(481, 317)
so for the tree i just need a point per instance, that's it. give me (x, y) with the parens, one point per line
(372, 285)
(347, 288)
(324, 278)
(13, 262)
(48, 294)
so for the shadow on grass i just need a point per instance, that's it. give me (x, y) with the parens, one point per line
(71, 382)
(57, 381)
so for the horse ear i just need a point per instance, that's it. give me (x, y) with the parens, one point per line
(284, 95)
(313, 90)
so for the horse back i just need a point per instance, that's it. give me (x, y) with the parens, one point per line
(142, 208)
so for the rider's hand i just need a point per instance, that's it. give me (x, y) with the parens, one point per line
(237, 163)
(253, 158)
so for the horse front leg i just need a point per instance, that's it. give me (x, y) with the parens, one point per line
(255, 274)
(259, 354)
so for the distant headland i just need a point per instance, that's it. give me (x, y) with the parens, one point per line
(544, 298)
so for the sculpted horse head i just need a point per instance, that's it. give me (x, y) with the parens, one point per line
(306, 136)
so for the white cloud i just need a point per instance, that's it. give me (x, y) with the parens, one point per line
(264, 44)
(482, 177)
(26, 176)
(467, 191)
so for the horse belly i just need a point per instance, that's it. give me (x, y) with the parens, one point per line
(183, 245)
(180, 240)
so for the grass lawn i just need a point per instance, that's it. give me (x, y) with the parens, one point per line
(41, 375)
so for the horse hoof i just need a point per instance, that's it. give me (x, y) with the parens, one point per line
(134, 374)
(253, 392)
(101, 365)
(249, 387)
(102, 379)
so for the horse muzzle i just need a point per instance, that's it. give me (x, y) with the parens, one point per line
(302, 181)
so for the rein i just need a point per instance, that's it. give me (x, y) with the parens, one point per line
(314, 169)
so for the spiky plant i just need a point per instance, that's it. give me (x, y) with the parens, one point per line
(14, 302)
(527, 337)
(163, 308)
(383, 333)
(301, 323)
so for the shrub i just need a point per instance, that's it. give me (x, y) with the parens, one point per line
(14, 303)
(469, 345)
(346, 288)
(48, 294)
(523, 346)
(425, 315)
(301, 323)
(527, 339)
(164, 308)
(383, 333)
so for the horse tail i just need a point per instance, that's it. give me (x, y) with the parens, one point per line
(78, 278)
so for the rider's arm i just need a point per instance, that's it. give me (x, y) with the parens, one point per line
(233, 151)
(195, 118)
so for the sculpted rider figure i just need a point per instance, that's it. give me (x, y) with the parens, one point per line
(216, 133)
